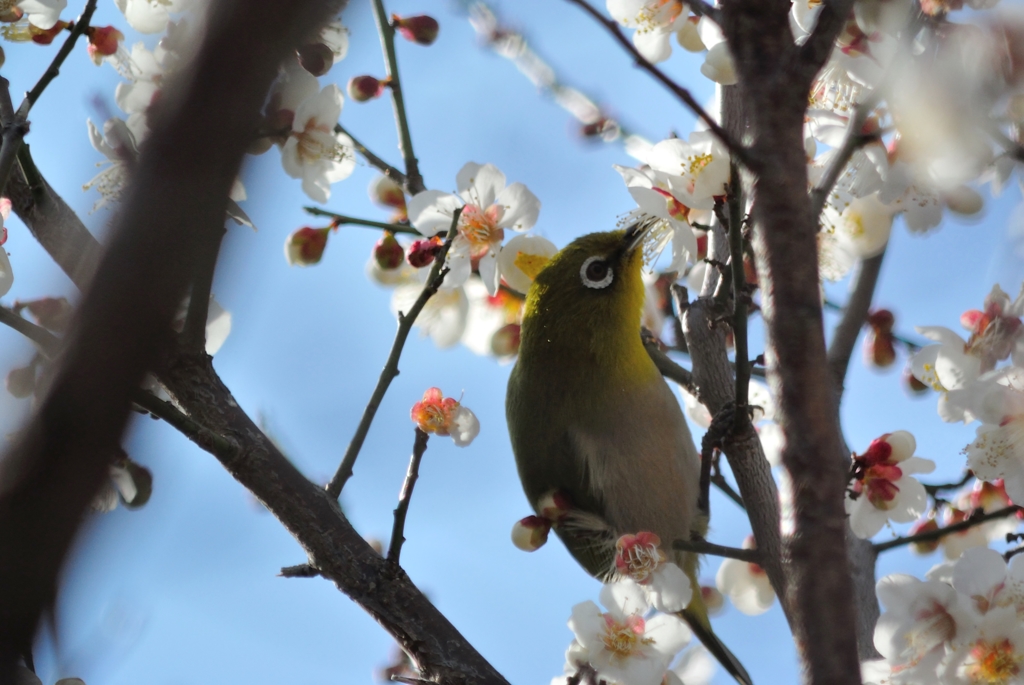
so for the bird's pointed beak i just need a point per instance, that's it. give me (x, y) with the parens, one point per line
(636, 233)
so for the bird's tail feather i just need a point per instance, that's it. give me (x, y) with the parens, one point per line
(702, 629)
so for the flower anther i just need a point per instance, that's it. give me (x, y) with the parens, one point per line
(639, 556)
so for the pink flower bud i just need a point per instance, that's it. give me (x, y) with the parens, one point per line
(385, 192)
(925, 526)
(529, 534)
(879, 350)
(505, 341)
(419, 29)
(21, 382)
(306, 246)
(422, 252)
(713, 599)
(388, 253)
(103, 41)
(554, 505)
(316, 58)
(912, 385)
(52, 313)
(363, 88)
(881, 320)
(45, 37)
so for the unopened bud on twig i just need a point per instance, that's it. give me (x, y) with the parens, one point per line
(316, 58)
(363, 88)
(420, 29)
(529, 534)
(422, 252)
(388, 253)
(306, 246)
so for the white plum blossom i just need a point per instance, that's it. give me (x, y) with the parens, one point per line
(949, 368)
(697, 170)
(919, 619)
(989, 582)
(745, 584)
(492, 321)
(43, 14)
(443, 317)
(146, 75)
(314, 152)
(772, 441)
(653, 195)
(118, 144)
(150, 16)
(654, 20)
(994, 654)
(6, 272)
(639, 558)
(621, 644)
(883, 488)
(860, 231)
(718, 63)
(522, 258)
(442, 415)
(694, 667)
(998, 450)
(488, 208)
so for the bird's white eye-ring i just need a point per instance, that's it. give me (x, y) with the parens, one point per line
(595, 273)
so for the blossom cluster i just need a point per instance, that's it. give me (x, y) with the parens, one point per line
(960, 626)
(635, 639)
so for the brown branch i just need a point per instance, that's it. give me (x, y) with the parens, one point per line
(751, 556)
(855, 313)
(414, 180)
(976, 518)
(668, 368)
(812, 55)
(53, 70)
(55, 226)
(774, 81)
(14, 129)
(342, 220)
(335, 548)
(61, 458)
(47, 341)
(405, 497)
(382, 166)
(719, 481)
(390, 370)
(736, 149)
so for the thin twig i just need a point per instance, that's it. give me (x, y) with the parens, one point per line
(14, 130)
(668, 368)
(855, 139)
(390, 371)
(739, 297)
(719, 481)
(54, 69)
(739, 152)
(975, 519)
(398, 530)
(299, 571)
(194, 431)
(382, 166)
(193, 334)
(911, 345)
(341, 220)
(751, 556)
(387, 40)
(46, 340)
(934, 490)
(855, 313)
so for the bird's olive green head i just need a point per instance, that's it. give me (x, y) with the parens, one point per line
(589, 297)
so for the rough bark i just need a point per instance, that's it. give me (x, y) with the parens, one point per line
(775, 77)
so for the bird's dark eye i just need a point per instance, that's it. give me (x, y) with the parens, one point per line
(595, 273)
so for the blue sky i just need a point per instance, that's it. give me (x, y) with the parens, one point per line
(185, 590)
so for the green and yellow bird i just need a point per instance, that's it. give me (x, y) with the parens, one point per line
(590, 416)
